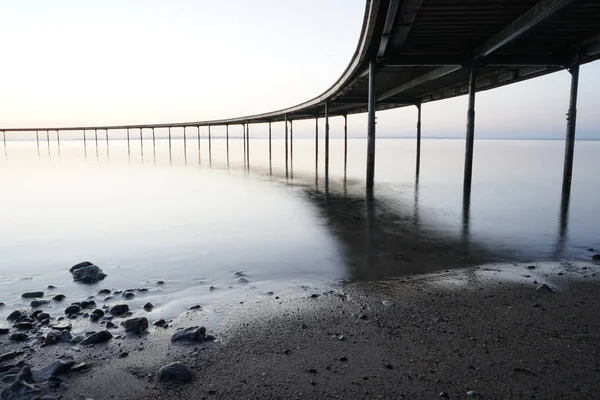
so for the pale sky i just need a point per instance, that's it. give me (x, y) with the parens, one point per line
(83, 62)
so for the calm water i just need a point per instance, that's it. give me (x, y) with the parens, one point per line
(150, 215)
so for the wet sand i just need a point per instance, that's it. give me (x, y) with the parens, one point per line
(476, 329)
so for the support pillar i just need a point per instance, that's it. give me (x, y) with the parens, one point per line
(570, 137)
(142, 144)
(95, 136)
(129, 145)
(248, 145)
(270, 152)
(326, 141)
(37, 139)
(292, 147)
(371, 127)
(418, 168)
(345, 143)
(184, 141)
(199, 155)
(209, 147)
(317, 144)
(84, 141)
(244, 143)
(286, 146)
(470, 136)
(227, 142)
(48, 140)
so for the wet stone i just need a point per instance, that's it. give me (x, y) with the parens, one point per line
(4, 331)
(98, 337)
(80, 265)
(73, 309)
(160, 323)
(88, 274)
(51, 287)
(15, 315)
(32, 295)
(242, 280)
(105, 292)
(192, 334)
(88, 304)
(18, 337)
(148, 307)
(119, 309)
(110, 325)
(63, 326)
(174, 372)
(8, 356)
(38, 303)
(80, 367)
(543, 288)
(24, 326)
(77, 339)
(56, 337)
(195, 307)
(531, 267)
(136, 325)
(596, 257)
(160, 282)
(128, 295)
(42, 316)
(59, 297)
(58, 367)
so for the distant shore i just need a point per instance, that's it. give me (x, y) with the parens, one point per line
(480, 332)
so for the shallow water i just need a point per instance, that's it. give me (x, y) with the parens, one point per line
(143, 214)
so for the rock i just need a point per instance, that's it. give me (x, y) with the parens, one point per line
(119, 309)
(531, 267)
(543, 288)
(136, 325)
(174, 372)
(160, 282)
(193, 334)
(242, 280)
(42, 316)
(87, 274)
(99, 337)
(77, 339)
(110, 325)
(596, 257)
(88, 304)
(96, 315)
(472, 393)
(63, 326)
(80, 265)
(195, 307)
(24, 326)
(51, 287)
(32, 295)
(314, 296)
(58, 367)
(8, 356)
(2, 304)
(38, 303)
(239, 273)
(55, 337)
(18, 337)
(4, 331)
(80, 367)
(21, 389)
(128, 295)
(59, 297)
(73, 309)
(15, 315)
(104, 292)
(444, 394)
(387, 303)
(148, 307)
(160, 323)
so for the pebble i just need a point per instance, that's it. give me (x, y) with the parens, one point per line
(123, 354)
(104, 292)
(174, 372)
(80, 367)
(136, 325)
(195, 307)
(24, 325)
(51, 287)
(531, 267)
(387, 303)
(472, 393)
(242, 280)
(119, 309)
(192, 334)
(148, 307)
(128, 295)
(59, 297)
(99, 337)
(160, 323)
(32, 295)
(15, 315)
(72, 309)
(4, 331)
(42, 316)
(543, 288)
(38, 303)
(160, 282)
(110, 325)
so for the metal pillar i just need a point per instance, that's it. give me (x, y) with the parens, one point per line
(153, 138)
(209, 147)
(326, 141)
(270, 155)
(317, 144)
(184, 142)
(227, 142)
(248, 145)
(286, 146)
(292, 147)
(418, 138)
(371, 127)
(345, 142)
(129, 145)
(244, 143)
(37, 139)
(142, 144)
(199, 155)
(48, 140)
(4, 138)
(95, 136)
(470, 137)
(84, 141)
(570, 137)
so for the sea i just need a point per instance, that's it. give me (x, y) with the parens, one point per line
(199, 216)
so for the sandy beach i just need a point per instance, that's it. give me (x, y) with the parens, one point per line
(482, 332)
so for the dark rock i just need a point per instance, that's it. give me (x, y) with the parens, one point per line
(32, 295)
(99, 337)
(473, 394)
(242, 280)
(136, 325)
(148, 307)
(343, 359)
(63, 326)
(4, 331)
(123, 354)
(128, 295)
(142, 290)
(80, 265)
(2, 304)
(110, 325)
(160, 323)
(58, 367)
(25, 318)
(96, 314)
(314, 296)
(192, 334)
(9, 356)
(24, 326)
(38, 303)
(174, 372)
(73, 309)
(21, 389)
(51, 287)
(77, 339)
(444, 394)
(88, 274)
(80, 367)
(160, 282)
(596, 257)
(42, 316)
(119, 309)
(55, 337)
(88, 304)
(18, 337)
(105, 292)
(15, 315)
(531, 267)
(543, 288)
(59, 297)
(195, 307)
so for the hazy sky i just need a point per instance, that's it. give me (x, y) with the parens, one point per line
(83, 62)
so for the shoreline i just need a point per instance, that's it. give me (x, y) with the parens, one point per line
(483, 329)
